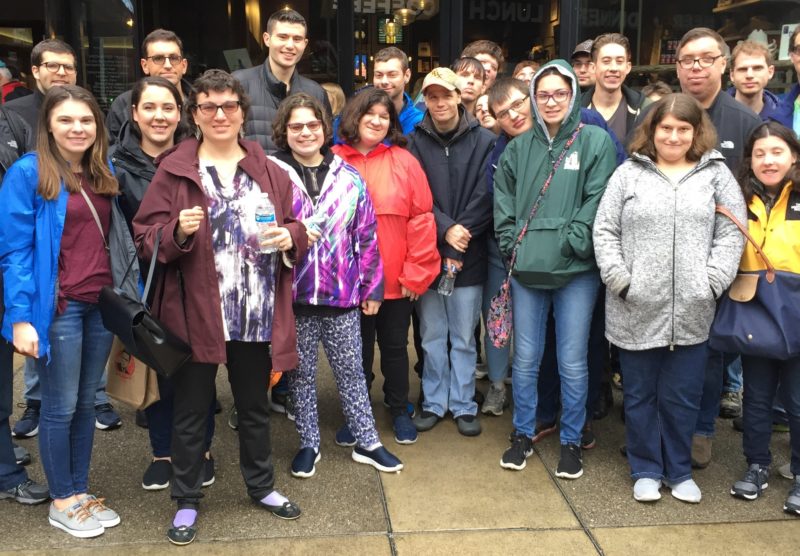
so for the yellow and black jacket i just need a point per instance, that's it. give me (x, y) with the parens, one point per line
(777, 231)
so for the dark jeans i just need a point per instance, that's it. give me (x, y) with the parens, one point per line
(390, 326)
(662, 397)
(712, 390)
(11, 474)
(597, 358)
(420, 364)
(249, 367)
(160, 416)
(762, 378)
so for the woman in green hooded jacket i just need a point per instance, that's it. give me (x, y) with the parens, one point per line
(555, 260)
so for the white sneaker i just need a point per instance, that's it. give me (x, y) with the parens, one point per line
(480, 371)
(646, 490)
(685, 491)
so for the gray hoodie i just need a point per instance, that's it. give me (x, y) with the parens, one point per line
(663, 243)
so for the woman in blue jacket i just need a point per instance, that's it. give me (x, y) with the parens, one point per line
(63, 239)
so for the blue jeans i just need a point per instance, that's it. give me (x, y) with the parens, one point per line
(662, 397)
(79, 348)
(732, 381)
(596, 359)
(572, 309)
(763, 378)
(449, 385)
(712, 390)
(11, 474)
(33, 391)
(497, 359)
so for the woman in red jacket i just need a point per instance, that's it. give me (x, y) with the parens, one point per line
(220, 290)
(402, 200)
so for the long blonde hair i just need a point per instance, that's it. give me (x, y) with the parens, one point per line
(53, 169)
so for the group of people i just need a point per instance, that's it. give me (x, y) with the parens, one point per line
(387, 212)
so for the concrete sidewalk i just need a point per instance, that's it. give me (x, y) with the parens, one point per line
(452, 497)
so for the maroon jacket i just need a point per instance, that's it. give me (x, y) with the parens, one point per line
(186, 297)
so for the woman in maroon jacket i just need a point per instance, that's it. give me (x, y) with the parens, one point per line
(219, 290)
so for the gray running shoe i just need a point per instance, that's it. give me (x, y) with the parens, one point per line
(785, 471)
(792, 504)
(76, 520)
(496, 400)
(27, 492)
(754, 482)
(102, 513)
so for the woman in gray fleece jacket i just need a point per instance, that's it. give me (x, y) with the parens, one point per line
(665, 257)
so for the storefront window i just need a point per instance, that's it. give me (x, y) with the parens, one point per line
(655, 28)
(524, 30)
(103, 32)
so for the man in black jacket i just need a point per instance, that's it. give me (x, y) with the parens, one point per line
(454, 151)
(52, 64)
(268, 84)
(162, 56)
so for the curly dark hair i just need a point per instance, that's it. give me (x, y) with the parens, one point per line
(359, 105)
(285, 109)
(218, 81)
(768, 129)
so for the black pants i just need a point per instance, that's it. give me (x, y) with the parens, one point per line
(391, 327)
(249, 367)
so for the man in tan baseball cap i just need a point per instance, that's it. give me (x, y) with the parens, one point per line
(453, 150)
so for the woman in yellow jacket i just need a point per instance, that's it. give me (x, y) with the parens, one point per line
(770, 180)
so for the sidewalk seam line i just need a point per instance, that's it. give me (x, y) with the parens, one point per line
(389, 530)
(571, 506)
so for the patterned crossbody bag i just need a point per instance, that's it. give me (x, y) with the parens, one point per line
(499, 320)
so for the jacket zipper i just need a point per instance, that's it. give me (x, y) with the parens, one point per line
(674, 226)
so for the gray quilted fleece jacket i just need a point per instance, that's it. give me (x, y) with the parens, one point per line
(661, 246)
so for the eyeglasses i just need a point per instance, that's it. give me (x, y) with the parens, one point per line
(703, 62)
(313, 125)
(159, 59)
(558, 96)
(516, 106)
(795, 49)
(228, 107)
(54, 67)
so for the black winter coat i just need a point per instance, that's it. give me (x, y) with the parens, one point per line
(16, 138)
(266, 93)
(28, 108)
(456, 172)
(133, 169)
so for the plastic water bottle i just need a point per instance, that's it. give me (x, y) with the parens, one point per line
(448, 280)
(265, 219)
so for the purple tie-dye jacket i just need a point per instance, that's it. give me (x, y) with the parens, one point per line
(343, 268)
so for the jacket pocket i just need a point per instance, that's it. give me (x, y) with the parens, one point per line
(542, 247)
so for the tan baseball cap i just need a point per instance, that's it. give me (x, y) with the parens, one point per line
(444, 77)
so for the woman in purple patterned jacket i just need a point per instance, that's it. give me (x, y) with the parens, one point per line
(341, 275)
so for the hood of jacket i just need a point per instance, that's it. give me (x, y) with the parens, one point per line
(707, 157)
(573, 117)
(128, 152)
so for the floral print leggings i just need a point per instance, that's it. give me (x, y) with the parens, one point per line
(341, 338)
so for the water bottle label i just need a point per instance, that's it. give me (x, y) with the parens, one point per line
(265, 218)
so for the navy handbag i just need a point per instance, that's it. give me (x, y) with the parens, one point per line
(760, 313)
